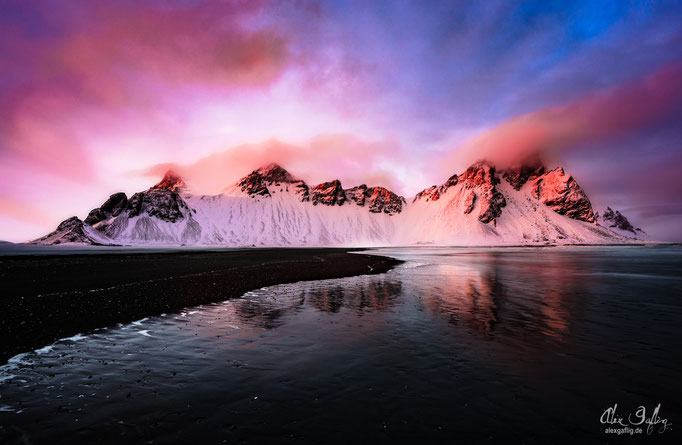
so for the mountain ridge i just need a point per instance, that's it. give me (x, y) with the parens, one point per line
(524, 204)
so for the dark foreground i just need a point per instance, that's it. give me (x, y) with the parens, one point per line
(508, 346)
(47, 297)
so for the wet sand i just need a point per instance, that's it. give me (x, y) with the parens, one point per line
(47, 297)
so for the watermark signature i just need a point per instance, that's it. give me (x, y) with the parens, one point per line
(634, 423)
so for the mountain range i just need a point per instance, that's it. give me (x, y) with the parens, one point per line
(526, 204)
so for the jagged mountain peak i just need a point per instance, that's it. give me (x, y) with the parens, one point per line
(256, 183)
(112, 207)
(475, 188)
(378, 199)
(530, 205)
(171, 181)
(527, 169)
(478, 173)
(561, 193)
(616, 220)
(274, 172)
(69, 231)
(328, 193)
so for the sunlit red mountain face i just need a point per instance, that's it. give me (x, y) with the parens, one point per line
(98, 97)
(528, 204)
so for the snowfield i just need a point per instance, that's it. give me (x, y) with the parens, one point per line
(271, 208)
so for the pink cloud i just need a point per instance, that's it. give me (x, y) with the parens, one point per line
(204, 44)
(607, 114)
(114, 67)
(326, 157)
(22, 212)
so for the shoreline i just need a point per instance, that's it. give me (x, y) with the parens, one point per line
(18, 250)
(48, 297)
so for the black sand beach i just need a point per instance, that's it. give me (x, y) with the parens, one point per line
(47, 297)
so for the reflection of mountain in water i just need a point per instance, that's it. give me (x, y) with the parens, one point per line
(267, 307)
(373, 294)
(486, 293)
(519, 296)
(471, 297)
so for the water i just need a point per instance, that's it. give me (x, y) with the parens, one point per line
(470, 345)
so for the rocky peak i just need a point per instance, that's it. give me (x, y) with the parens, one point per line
(478, 186)
(528, 169)
(382, 200)
(481, 181)
(68, 231)
(434, 192)
(159, 203)
(428, 194)
(112, 207)
(479, 173)
(328, 193)
(274, 173)
(561, 193)
(171, 181)
(357, 194)
(452, 180)
(70, 223)
(378, 199)
(256, 183)
(616, 219)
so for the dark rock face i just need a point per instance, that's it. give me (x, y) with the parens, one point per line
(479, 181)
(482, 180)
(561, 193)
(378, 199)
(258, 182)
(273, 173)
(302, 191)
(529, 169)
(162, 204)
(492, 202)
(478, 174)
(382, 200)
(328, 193)
(358, 194)
(433, 193)
(254, 185)
(469, 201)
(68, 231)
(262, 182)
(617, 220)
(428, 194)
(112, 207)
(171, 182)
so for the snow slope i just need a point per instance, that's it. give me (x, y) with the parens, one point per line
(524, 220)
(270, 207)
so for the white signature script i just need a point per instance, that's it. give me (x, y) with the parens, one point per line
(653, 422)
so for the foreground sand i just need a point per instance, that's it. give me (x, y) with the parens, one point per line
(47, 297)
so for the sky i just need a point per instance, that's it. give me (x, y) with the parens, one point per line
(98, 97)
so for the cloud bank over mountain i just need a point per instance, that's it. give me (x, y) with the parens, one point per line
(96, 94)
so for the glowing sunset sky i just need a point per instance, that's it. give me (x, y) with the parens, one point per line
(100, 96)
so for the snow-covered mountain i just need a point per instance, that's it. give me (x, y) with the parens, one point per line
(525, 204)
(615, 221)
